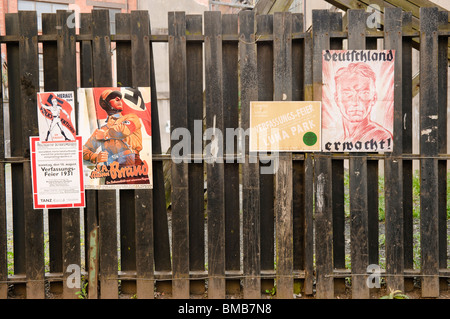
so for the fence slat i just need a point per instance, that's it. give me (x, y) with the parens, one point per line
(309, 173)
(322, 170)
(282, 30)
(50, 55)
(231, 120)
(194, 56)
(67, 81)
(215, 169)
(393, 166)
(442, 144)
(359, 230)
(372, 188)
(337, 166)
(266, 181)
(179, 170)
(141, 69)
(90, 211)
(299, 242)
(250, 168)
(127, 209)
(407, 143)
(107, 217)
(33, 220)
(3, 209)
(429, 235)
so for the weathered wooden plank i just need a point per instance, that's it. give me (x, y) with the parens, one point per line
(266, 181)
(215, 166)
(90, 211)
(107, 217)
(442, 143)
(194, 57)
(231, 121)
(429, 146)
(322, 169)
(393, 166)
(250, 168)
(179, 169)
(407, 144)
(141, 68)
(3, 213)
(309, 174)
(123, 49)
(358, 183)
(86, 68)
(50, 55)
(338, 191)
(282, 30)
(298, 167)
(126, 202)
(67, 81)
(33, 220)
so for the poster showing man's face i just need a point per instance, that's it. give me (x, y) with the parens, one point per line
(357, 100)
(355, 93)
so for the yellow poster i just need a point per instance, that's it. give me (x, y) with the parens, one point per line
(288, 126)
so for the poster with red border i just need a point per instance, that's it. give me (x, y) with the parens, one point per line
(57, 174)
(357, 100)
(56, 116)
(115, 125)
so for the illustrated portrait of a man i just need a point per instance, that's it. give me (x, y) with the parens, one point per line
(356, 96)
(357, 100)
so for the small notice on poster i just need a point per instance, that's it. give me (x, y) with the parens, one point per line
(288, 126)
(56, 169)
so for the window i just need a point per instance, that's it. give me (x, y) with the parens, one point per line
(40, 8)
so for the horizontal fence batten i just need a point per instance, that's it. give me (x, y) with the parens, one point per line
(157, 38)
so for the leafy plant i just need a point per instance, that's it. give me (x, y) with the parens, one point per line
(395, 294)
(82, 294)
(272, 291)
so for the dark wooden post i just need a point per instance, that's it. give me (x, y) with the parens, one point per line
(322, 170)
(180, 178)
(358, 182)
(392, 163)
(231, 168)
(215, 166)
(264, 24)
(106, 200)
(250, 167)
(142, 201)
(23, 85)
(194, 57)
(282, 30)
(429, 149)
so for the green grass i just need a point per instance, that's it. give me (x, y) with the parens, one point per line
(381, 196)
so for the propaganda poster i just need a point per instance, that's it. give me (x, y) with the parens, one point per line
(56, 116)
(115, 125)
(357, 100)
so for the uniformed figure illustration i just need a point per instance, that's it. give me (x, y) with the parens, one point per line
(120, 139)
(55, 110)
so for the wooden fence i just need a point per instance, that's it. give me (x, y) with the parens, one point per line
(276, 236)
